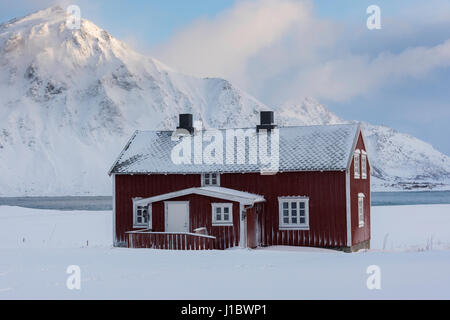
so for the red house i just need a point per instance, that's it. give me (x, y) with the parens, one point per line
(214, 189)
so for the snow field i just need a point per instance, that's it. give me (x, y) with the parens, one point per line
(36, 268)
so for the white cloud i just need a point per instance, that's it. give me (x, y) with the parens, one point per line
(280, 50)
(353, 75)
(222, 46)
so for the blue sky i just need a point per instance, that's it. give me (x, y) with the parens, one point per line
(287, 49)
(150, 21)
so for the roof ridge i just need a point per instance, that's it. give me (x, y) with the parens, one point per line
(278, 127)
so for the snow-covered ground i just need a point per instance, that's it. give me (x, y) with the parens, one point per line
(411, 245)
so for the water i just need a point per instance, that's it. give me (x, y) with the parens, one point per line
(105, 203)
(410, 198)
(60, 203)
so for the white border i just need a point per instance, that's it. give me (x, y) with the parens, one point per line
(149, 224)
(361, 223)
(364, 172)
(357, 153)
(202, 177)
(222, 205)
(281, 226)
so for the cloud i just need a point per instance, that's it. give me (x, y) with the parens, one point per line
(344, 78)
(282, 50)
(223, 45)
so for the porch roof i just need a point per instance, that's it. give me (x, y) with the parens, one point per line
(242, 197)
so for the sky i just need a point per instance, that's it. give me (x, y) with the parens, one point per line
(282, 51)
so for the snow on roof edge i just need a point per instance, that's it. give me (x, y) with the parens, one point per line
(342, 167)
(243, 197)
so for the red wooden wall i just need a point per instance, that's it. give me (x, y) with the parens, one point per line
(326, 191)
(327, 205)
(145, 186)
(360, 186)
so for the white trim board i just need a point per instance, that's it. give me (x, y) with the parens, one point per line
(227, 194)
(122, 152)
(349, 208)
(114, 209)
(242, 227)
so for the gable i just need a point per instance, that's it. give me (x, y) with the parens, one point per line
(359, 144)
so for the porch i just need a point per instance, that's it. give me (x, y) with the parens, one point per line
(170, 240)
(201, 218)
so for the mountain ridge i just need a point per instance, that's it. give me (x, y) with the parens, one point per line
(70, 99)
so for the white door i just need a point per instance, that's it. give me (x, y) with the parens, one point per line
(177, 216)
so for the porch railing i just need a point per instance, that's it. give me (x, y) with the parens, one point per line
(169, 240)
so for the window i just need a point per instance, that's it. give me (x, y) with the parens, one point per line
(363, 165)
(361, 210)
(356, 161)
(142, 216)
(222, 214)
(210, 179)
(294, 213)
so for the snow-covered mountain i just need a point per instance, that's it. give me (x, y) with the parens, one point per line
(70, 99)
(306, 112)
(400, 161)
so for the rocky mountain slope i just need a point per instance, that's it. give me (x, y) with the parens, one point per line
(70, 99)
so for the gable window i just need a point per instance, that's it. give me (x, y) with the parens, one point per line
(222, 214)
(361, 210)
(363, 165)
(141, 216)
(210, 179)
(357, 164)
(294, 212)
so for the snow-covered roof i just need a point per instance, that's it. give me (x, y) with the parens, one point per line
(301, 148)
(245, 198)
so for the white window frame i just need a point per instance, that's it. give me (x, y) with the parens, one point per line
(363, 165)
(137, 207)
(361, 197)
(357, 164)
(222, 222)
(293, 226)
(207, 179)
